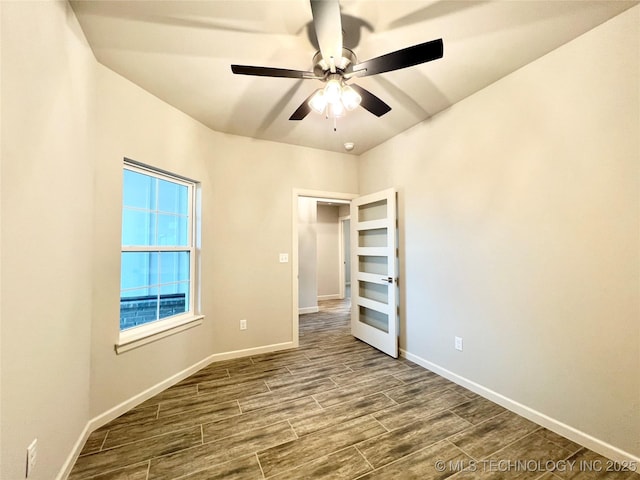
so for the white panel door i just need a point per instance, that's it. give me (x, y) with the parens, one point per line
(373, 271)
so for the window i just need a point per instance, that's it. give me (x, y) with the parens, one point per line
(157, 259)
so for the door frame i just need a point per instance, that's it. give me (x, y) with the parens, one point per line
(300, 192)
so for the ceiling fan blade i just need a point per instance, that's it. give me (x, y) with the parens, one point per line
(370, 102)
(406, 57)
(271, 72)
(303, 110)
(328, 26)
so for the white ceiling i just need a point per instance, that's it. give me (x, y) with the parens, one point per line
(181, 52)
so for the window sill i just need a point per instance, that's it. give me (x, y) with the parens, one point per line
(137, 337)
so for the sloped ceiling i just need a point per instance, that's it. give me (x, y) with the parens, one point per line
(181, 51)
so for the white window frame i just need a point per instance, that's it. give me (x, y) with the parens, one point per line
(149, 332)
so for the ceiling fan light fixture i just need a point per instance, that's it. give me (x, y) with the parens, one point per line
(335, 64)
(333, 91)
(318, 102)
(336, 109)
(350, 98)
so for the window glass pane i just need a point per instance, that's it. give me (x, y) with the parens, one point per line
(138, 269)
(134, 293)
(373, 318)
(172, 230)
(374, 291)
(172, 197)
(174, 267)
(154, 284)
(138, 227)
(183, 231)
(174, 299)
(372, 238)
(138, 307)
(174, 288)
(372, 211)
(139, 190)
(370, 264)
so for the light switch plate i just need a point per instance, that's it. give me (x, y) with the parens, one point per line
(284, 257)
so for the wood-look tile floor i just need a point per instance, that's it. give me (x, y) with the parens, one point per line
(335, 408)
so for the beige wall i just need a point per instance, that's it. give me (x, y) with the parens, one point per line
(67, 123)
(328, 251)
(519, 231)
(307, 255)
(48, 93)
(1, 155)
(318, 253)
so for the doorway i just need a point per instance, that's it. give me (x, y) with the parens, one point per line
(374, 265)
(320, 253)
(345, 256)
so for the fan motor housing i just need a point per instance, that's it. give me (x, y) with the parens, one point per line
(343, 65)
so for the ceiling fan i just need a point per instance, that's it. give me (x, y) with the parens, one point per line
(335, 65)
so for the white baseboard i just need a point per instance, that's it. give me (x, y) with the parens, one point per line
(303, 310)
(335, 296)
(125, 406)
(578, 436)
(75, 453)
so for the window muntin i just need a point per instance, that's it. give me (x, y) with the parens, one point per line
(157, 258)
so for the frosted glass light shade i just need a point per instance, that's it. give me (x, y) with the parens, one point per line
(350, 98)
(336, 109)
(318, 102)
(332, 91)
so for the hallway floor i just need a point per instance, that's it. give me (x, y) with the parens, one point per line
(335, 408)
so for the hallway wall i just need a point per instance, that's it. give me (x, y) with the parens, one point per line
(307, 255)
(318, 253)
(328, 252)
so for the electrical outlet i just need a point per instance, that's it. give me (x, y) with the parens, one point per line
(32, 453)
(458, 343)
(243, 324)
